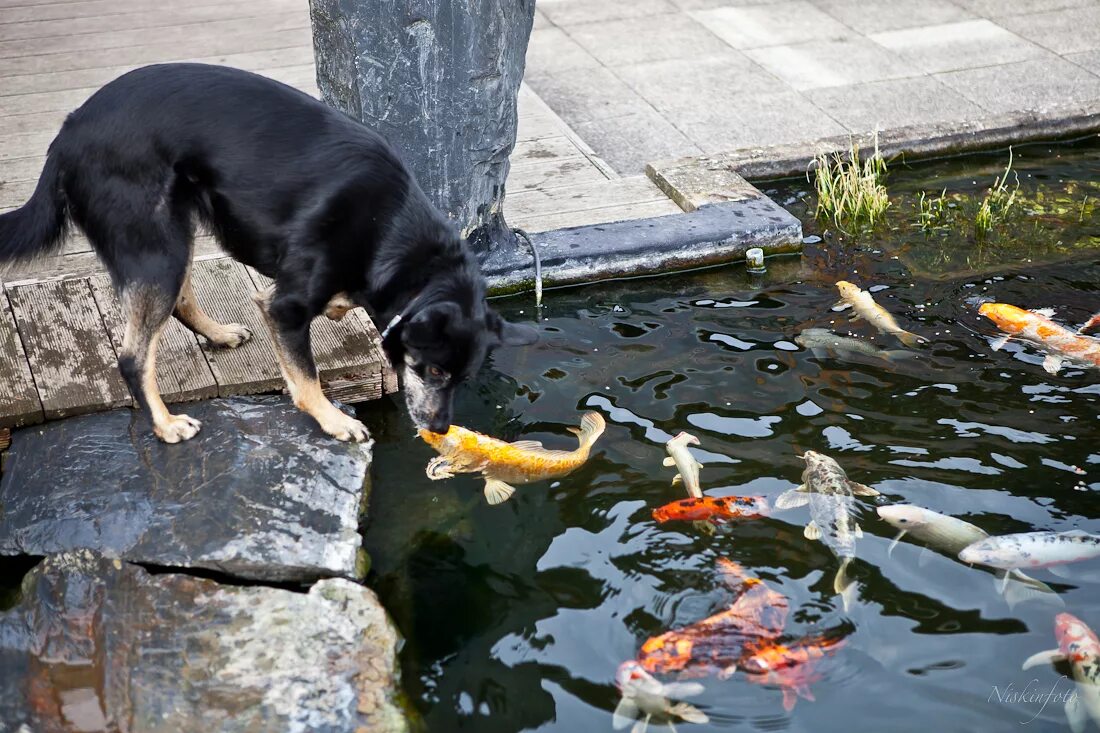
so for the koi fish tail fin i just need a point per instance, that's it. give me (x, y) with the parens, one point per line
(689, 713)
(592, 427)
(844, 586)
(1020, 588)
(911, 340)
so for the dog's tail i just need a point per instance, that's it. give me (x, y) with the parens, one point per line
(38, 226)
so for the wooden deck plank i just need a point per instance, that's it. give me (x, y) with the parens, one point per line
(224, 291)
(183, 374)
(181, 35)
(555, 173)
(19, 403)
(347, 352)
(70, 354)
(603, 215)
(582, 197)
(543, 149)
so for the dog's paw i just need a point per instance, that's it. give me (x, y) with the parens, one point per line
(230, 335)
(178, 427)
(342, 427)
(338, 307)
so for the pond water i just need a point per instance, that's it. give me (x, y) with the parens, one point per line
(517, 616)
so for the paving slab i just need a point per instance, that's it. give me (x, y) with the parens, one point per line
(818, 64)
(764, 119)
(875, 16)
(676, 87)
(99, 645)
(1000, 8)
(1028, 85)
(1089, 60)
(574, 12)
(260, 493)
(895, 103)
(582, 95)
(627, 143)
(1062, 31)
(964, 45)
(755, 26)
(652, 38)
(552, 50)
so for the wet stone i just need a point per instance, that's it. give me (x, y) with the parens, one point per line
(100, 645)
(260, 493)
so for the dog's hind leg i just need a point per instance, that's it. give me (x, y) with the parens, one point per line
(146, 308)
(289, 320)
(188, 311)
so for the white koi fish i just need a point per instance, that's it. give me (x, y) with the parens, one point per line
(1033, 550)
(680, 456)
(865, 307)
(645, 699)
(949, 536)
(1078, 645)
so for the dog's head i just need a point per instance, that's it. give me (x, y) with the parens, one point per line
(440, 346)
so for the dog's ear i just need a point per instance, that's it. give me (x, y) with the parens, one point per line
(429, 326)
(509, 334)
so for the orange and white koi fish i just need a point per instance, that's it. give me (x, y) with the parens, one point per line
(1078, 645)
(789, 666)
(503, 464)
(1092, 325)
(716, 644)
(864, 306)
(713, 508)
(1036, 326)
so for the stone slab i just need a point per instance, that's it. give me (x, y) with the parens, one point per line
(100, 645)
(776, 24)
(762, 119)
(915, 142)
(1070, 30)
(885, 105)
(581, 95)
(627, 143)
(710, 235)
(260, 493)
(677, 87)
(831, 63)
(1041, 85)
(692, 186)
(652, 38)
(552, 50)
(875, 16)
(575, 12)
(963, 45)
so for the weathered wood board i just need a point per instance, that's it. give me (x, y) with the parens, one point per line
(68, 349)
(224, 291)
(19, 403)
(183, 374)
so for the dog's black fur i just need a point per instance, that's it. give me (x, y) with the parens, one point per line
(300, 192)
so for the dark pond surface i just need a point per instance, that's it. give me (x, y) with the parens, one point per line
(517, 616)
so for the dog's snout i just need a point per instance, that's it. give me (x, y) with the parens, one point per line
(439, 425)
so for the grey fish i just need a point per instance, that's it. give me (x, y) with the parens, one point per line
(829, 492)
(949, 536)
(823, 342)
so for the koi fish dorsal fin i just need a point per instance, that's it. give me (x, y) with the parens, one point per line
(592, 427)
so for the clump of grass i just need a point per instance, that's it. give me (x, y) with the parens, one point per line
(850, 191)
(998, 201)
(934, 211)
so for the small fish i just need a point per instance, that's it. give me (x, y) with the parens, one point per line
(790, 667)
(866, 307)
(646, 699)
(949, 536)
(823, 342)
(1033, 550)
(829, 492)
(716, 644)
(503, 464)
(713, 508)
(1078, 645)
(680, 456)
(1036, 327)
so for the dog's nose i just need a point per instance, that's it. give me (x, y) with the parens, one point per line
(439, 425)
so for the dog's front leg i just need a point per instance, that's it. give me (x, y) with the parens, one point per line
(289, 324)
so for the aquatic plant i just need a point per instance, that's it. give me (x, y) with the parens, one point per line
(998, 201)
(850, 191)
(933, 211)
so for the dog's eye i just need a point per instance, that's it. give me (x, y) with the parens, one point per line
(435, 372)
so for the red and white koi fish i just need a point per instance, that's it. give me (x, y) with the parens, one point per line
(1036, 327)
(1078, 645)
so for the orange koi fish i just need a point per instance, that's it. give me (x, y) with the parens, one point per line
(503, 464)
(717, 643)
(1036, 326)
(718, 508)
(789, 667)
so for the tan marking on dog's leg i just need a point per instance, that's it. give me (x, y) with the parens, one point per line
(338, 307)
(305, 389)
(168, 427)
(230, 335)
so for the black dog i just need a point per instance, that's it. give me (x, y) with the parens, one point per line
(303, 194)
